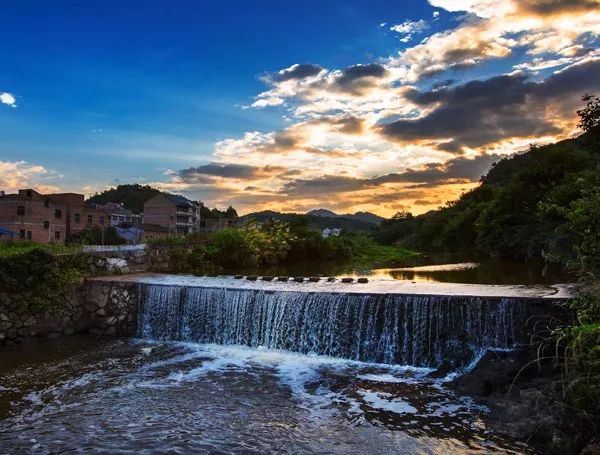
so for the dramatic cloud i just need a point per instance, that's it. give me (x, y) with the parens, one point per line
(228, 171)
(483, 112)
(297, 71)
(413, 129)
(8, 98)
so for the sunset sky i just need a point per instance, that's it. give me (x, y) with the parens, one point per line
(353, 105)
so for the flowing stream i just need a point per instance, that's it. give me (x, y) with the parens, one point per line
(221, 370)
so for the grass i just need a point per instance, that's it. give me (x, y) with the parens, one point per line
(8, 249)
(372, 254)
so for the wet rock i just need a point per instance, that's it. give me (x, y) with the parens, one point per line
(299, 279)
(347, 280)
(267, 278)
(442, 371)
(331, 279)
(238, 277)
(283, 278)
(252, 277)
(363, 280)
(314, 279)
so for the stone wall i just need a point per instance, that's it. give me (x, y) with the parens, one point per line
(103, 308)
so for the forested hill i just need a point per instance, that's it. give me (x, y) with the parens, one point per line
(132, 196)
(526, 207)
(313, 221)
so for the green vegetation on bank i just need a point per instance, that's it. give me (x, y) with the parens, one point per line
(8, 249)
(38, 278)
(274, 243)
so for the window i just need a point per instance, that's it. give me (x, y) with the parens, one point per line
(90, 220)
(28, 193)
(22, 233)
(101, 220)
(28, 235)
(57, 235)
(21, 210)
(58, 213)
(203, 223)
(46, 202)
(46, 224)
(77, 217)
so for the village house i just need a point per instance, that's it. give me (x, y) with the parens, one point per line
(178, 214)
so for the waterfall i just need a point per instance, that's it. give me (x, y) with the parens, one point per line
(419, 330)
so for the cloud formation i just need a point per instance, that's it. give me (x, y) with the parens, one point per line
(413, 129)
(20, 174)
(8, 99)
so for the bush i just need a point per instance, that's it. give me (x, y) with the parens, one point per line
(39, 278)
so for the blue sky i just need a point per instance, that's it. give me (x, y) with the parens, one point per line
(123, 91)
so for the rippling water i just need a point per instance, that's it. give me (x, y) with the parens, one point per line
(124, 396)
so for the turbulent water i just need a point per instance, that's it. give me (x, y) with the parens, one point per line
(257, 371)
(81, 394)
(391, 329)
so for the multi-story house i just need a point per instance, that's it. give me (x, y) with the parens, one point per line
(48, 217)
(178, 214)
(41, 217)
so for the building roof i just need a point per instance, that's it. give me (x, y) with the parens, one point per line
(180, 200)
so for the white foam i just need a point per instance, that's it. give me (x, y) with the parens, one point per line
(387, 402)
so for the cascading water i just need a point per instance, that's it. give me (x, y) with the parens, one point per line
(383, 328)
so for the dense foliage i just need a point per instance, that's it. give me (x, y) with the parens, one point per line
(39, 278)
(275, 243)
(519, 211)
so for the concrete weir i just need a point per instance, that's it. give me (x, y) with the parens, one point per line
(381, 321)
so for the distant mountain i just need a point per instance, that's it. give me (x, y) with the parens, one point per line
(322, 212)
(367, 217)
(318, 222)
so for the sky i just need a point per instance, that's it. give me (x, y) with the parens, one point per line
(382, 106)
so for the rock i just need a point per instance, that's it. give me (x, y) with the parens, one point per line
(331, 279)
(314, 279)
(347, 280)
(442, 371)
(283, 278)
(299, 279)
(238, 277)
(267, 278)
(252, 277)
(363, 280)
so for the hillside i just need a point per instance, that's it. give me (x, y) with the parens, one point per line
(314, 221)
(132, 196)
(522, 209)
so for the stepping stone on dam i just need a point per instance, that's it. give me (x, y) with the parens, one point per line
(252, 277)
(299, 279)
(347, 280)
(363, 280)
(267, 278)
(238, 277)
(283, 278)
(331, 279)
(314, 279)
